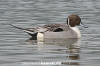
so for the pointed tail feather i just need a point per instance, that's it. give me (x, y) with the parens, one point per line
(30, 32)
(17, 27)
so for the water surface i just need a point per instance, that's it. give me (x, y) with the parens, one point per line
(15, 51)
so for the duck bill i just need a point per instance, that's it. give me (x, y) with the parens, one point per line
(83, 25)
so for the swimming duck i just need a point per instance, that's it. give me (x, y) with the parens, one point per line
(68, 30)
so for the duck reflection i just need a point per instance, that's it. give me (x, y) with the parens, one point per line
(72, 49)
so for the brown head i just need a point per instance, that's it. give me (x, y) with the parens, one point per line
(73, 20)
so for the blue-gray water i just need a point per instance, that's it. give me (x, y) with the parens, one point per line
(15, 51)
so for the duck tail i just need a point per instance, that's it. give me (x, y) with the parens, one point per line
(30, 32)
(17, 27)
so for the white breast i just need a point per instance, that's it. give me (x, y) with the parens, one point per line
(77, 31)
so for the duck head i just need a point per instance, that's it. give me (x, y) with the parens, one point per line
(74, 20)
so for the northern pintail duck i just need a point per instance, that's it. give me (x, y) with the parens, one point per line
(68, 30)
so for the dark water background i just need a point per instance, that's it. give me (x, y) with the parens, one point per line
(15, 51)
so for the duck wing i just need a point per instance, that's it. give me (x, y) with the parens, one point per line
(56, 27)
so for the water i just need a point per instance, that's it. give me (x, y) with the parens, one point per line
(16, 51)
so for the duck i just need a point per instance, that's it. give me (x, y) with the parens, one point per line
(66, 30)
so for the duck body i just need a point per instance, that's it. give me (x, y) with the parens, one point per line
(72, 32)
(51, 31)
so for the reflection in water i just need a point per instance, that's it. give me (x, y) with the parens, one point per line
(72, 50)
